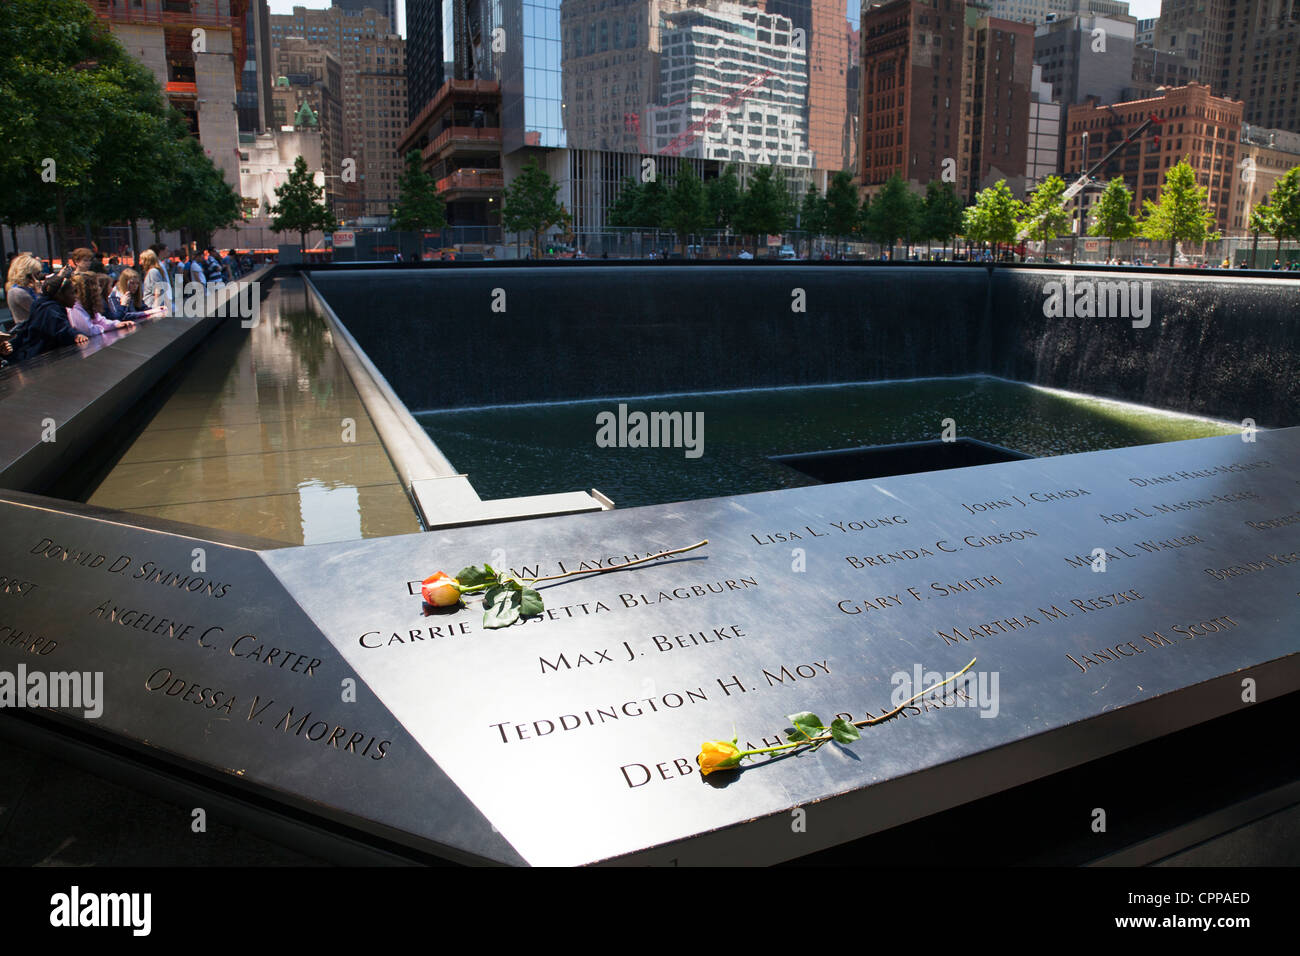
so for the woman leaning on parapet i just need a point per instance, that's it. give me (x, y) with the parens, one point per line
(23, 286)
(47, 327)
(157, 293)
(125, 302)
(85, 315)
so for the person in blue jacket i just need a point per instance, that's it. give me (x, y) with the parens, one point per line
(47, 327)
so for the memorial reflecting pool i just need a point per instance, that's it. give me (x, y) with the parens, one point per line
(534, 449)
(265, 435)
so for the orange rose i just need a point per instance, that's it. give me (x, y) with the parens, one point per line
(717, 755)
(441, 590)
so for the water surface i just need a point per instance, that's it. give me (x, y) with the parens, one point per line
(535, 449)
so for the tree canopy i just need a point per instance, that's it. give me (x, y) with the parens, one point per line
(418, 206)
(89, 136)
(994, 216)
(895, 212)
(765, 206)
(1111, 217)
(300, 204)
(687, 211)
(812, 213)
(530, 202)
(1044, 215)
(842, 206)
(1182, 212)
(1284, 201)
(941, 211)
(723, 197)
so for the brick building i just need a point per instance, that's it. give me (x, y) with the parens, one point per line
(1197, 126)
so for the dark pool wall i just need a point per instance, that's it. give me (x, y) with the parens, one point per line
(1221, 346)
(1224, 346)
(590, 332)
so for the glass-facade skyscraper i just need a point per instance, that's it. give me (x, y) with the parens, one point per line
(532, 102)
(611, 82)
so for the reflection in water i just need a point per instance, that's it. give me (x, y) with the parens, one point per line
(522, 450)
(328, 513)
(265, 435)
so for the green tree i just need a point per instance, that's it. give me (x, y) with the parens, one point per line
(652, 204)
(1182, 212)
(300, 204)
(1263, 219)
(1111, 217)
(862, 224)
(88, 131)
(941, 212)
(842, 207)
(723, 198)
(812, 215)
(765, 208)
(1284, 201)
(56, 64)
(1044, 216)
(530, 204)
(622, 211)
(894, 213)
(687, 211)
(419, 207)
(994, 216)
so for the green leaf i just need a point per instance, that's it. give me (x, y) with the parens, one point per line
(473, 576)
(531, 602)
(500, 607)
(806, 726)
(843, 732)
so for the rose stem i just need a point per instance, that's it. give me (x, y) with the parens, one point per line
(870, 720)
(897, 710)
(615, 567)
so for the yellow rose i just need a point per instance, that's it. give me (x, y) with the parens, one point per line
(717, 755)
(440, 590)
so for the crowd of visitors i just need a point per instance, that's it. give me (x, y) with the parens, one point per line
(87, 296)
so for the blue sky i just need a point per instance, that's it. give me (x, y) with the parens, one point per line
(1139, 8)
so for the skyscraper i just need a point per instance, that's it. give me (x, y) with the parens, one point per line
(199, 80)
(917, 104)
(374, 101)
(424, 53)
(1246, 51)
(591, 89)
(386, 8)
(253, 100)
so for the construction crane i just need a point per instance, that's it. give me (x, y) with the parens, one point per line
(1082, 182)
(688, 136)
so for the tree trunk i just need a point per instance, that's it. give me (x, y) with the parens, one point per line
(135, 242)
(13, 234)
(1173, 248)
(1110, 248)
(49, 244)
(2, 251)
